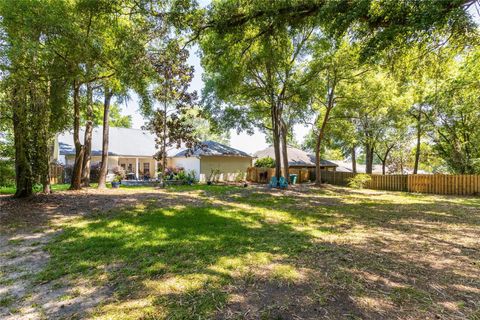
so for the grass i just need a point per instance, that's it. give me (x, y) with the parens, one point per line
(9, 190)
(55, 187)
(194, 252)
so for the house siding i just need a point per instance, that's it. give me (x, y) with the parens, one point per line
(229, 166)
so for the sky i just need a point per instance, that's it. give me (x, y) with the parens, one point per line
(242, 141)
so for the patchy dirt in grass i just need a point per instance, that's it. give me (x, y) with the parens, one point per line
(373, 255)
(27, 225)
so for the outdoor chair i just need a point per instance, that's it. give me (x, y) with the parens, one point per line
(273, 182)
(282, 183)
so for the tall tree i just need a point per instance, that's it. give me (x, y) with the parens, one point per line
(256, 80)
(169, 122)
(335, 63)
(31, 70)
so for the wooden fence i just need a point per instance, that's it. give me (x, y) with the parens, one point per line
(56, 174)
(263, 175)
(421, 183)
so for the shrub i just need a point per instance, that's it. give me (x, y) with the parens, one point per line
(7, 173)
(240, 176)
(266, 162)
(359, 181)
(68, 169)
(119, 173)
(95, 172)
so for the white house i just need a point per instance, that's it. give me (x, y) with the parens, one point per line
(213, 158)
(134, 150)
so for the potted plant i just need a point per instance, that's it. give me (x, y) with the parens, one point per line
(116, 182)
(119, 173)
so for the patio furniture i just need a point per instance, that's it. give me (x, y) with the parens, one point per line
(273, 182)
(282, 183)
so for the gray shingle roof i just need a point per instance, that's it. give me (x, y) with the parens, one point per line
(296, 157)
(123, 142)
(212, 148)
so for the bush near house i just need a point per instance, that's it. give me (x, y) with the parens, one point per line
(266, 162)
(180, 174)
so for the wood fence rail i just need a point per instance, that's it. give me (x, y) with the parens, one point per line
(56, 174)
(420, 183)
(263, 175)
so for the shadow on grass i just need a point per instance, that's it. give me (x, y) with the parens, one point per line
(188, 252)
(175, 256)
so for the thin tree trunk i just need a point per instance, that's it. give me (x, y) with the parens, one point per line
(384, 164)
(354, 160)
(284, 134)
(276, 140)
(369, 159)
(164, 145)
(88, 139)
(23, 169)
(417, 151)
(318, 172)
(105, 139)
(318, 145)
(76, 183)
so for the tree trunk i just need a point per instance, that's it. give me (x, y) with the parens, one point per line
(23, 169)
(276, 139)
(417, 151)
(384, 164)
(76, 183)
(46, 181)
(318, 145)
(88, 139)
(318, 172)
(354, 160)
(284, 134)
(369, 159)
(104, 164)
(164, 145)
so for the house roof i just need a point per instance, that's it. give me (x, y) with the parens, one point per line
(296, 157)
(212, 148)
(122, 142)
(346, 166)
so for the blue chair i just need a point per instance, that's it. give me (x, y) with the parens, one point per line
(282, 182)
(273, 182)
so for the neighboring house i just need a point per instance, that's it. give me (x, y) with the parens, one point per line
(213, 158)
(346, 166)
(134, 150)
(131, 149)
(297, 159)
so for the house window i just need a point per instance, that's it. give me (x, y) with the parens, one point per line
(146, 168)
(123, 166)
(130, 167)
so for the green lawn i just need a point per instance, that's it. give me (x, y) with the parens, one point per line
(207, 252)
(61, 187)
(55, 187)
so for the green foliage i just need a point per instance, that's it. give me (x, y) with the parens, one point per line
(266, 162)
(455, 116)
(359, 181)
(116, 117)
(7, 173)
